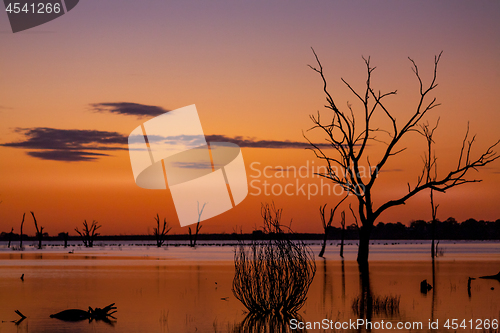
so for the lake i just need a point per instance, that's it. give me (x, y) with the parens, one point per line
(180, 289)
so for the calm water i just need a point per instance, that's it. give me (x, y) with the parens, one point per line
(179, 289)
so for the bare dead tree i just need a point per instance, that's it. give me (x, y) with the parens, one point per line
(39, 232)
(349, 136)
(430, 162)
(342, 234)
(10, 236)
(161, 235)
(88, 234)
(21, 234)
(194, 237)
(327, 225)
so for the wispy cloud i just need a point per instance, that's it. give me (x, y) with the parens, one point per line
(65, 155)
(129, 109)
(254, 143)
(391, 170)
(187, 140)
(72, 145)
(194, 165)
(67, 144)
(197, 140)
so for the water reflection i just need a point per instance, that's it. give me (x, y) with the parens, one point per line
(434, 290)
(162, 296)
(270, 323)
(343, 282)
(327, 287)
(364, 308)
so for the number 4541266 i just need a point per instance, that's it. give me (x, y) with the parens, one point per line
(478, 324)
(39, 8)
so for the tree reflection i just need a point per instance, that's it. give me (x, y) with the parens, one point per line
(327, 285)
(343, 282)
(272, 323)
(366, 305)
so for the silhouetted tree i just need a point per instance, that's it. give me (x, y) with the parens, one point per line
(194, 237)
(39, 232)
(10, 236)
(431, 171)
(327, 225)
(350, 143)
(21, 235)
(342, 234)
(88, 234)
(160, 235)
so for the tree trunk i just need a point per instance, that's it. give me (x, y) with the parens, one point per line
(21, 234)
(364, 243)
(10, 236)
(433, 227)
(342, 242)
(322, 252)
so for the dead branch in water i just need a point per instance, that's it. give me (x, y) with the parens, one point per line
(39, 232)
(89, 233)
(21, 235)
(160, 235)
(194, 236)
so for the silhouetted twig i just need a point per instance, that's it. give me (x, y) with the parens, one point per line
(160, 235)
(194, 237)
(88, 233)
(39, 232)
(21, 235)
(327, 225)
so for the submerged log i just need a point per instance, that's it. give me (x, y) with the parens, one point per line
(71, 315)
(425, 287)
(91, 314)
(491, 277)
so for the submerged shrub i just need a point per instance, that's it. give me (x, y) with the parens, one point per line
(273, 276)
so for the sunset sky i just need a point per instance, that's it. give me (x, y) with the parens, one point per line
(88, 78)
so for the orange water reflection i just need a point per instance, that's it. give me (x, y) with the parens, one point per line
(188, 297)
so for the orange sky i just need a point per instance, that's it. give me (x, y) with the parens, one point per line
(244, 66)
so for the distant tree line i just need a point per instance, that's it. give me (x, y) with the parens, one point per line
(450, 229)
(419, 229)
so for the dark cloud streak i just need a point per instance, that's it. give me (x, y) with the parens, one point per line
(274, 144)
(72, 145)
(68, 145)
(65, 155)
(129, 109)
